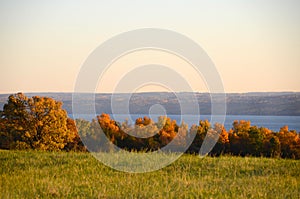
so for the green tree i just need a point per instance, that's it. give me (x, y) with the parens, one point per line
(90, 134)
(256, 141)
(272, 146)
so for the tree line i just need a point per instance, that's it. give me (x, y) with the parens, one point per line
(40, 123)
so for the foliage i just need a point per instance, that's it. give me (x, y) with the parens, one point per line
(75, 144)
(34, 123)
(41, 123)
(243, 139)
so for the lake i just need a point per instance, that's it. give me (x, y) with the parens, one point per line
(274, 123)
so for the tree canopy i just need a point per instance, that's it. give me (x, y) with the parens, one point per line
(41, 123)
(34, 123)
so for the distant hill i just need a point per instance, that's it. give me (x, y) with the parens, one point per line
(264, 103)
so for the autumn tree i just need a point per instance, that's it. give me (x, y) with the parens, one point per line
(146, 134)
(5, 137)
(168, 130)
(289, 142)
(181, 140)
(222, 145)
(35, 123)
(239, 137)
(113, 132)
(143, 121)
(201, 131)
(76, 143)
(144, 128)
(15, 122)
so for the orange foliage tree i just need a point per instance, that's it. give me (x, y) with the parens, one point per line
(35, 123)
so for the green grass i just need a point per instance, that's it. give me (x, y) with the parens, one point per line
(30, 174)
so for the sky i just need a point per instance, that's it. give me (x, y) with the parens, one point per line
(254, 44)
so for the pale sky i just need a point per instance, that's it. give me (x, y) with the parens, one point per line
(254, 44)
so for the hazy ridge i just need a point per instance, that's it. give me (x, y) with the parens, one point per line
(254, 103)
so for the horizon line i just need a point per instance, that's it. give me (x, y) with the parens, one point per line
(147, 92)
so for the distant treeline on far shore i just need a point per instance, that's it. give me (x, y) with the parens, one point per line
(40, 123)
(261, 103)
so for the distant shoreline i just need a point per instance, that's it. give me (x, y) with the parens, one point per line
(251, 103)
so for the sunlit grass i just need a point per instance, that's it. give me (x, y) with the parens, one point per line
(31, 174)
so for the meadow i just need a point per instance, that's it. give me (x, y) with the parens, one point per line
(36, 174)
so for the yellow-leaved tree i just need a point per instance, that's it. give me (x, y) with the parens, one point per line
(35, 123)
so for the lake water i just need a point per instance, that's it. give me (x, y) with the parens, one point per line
(274, 123)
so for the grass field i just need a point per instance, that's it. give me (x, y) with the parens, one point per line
(30, 174)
